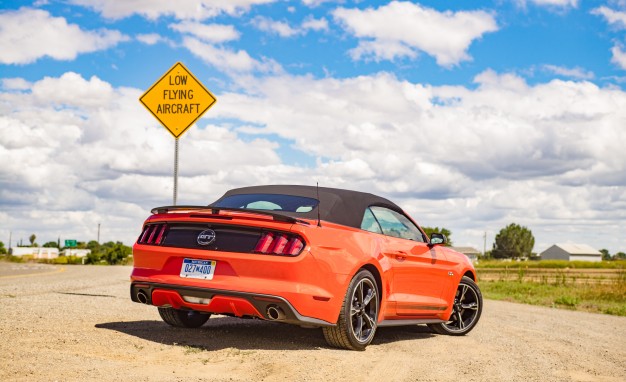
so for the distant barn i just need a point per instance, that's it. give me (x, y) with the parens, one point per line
(571, 252)
(470, 252)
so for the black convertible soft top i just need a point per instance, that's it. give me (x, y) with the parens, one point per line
(339, 206)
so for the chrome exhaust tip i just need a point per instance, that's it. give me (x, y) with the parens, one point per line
(142, 297)
(275, 313)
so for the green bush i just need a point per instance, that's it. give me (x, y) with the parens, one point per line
(65, 260)
(14, 259)
(567, 301)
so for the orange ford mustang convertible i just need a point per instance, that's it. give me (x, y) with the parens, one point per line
(346, 261)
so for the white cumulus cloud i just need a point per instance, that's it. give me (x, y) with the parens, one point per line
(557, 3)
(576, 72)
(402, 29)
(613, 17)
(281, 28)
(27, 35)
(182, 9)
(71, 89)
(228, 60)
(619, 57)
(311, 23)
(150, 38)
(315, 3)
(213, 33)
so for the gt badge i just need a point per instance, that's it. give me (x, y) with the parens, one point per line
(206, 237)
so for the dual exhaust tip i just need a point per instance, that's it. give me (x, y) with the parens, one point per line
(274, 313)
(142, 297)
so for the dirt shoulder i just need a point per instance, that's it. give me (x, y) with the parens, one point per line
(78, 323)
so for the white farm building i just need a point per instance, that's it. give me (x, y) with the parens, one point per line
(571, 252)
(35, 252)
(75, 252)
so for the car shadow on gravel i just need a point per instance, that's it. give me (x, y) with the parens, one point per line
(401, 333)
(227, 332)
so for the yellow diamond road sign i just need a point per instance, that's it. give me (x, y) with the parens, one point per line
(177, 99)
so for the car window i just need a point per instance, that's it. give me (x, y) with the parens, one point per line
(395, 224)
(271, 202)
(262, 205)
(369, 222)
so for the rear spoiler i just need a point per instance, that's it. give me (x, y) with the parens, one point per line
(216, 210)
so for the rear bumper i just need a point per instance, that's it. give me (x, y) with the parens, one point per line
(310, 285)
(236, 303)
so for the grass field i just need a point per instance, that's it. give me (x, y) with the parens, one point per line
(552, 264)
(591, 287)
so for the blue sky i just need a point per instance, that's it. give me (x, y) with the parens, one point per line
(470, 114)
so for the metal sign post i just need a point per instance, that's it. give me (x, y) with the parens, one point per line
(175, 172)
(177, 100)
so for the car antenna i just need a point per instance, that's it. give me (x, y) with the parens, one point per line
(319, 201)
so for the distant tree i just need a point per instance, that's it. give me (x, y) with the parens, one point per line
(605, 254)
(3, 251)
(32, 239)
(513, 241)
(445, 231)
(620, 256)
(485, 256)
(116, 253)
(93, 245)
(97, 252)
(51, 244)
(93, 258)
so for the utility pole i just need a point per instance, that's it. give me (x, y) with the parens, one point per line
(10, 236)
(98, 233)
(485, 244)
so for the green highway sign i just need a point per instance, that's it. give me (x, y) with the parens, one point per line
(70, 243)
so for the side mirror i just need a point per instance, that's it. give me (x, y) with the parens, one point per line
(437, 238)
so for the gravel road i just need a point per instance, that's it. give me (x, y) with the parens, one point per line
(70, 323)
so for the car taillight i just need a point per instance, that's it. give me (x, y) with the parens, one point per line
(144, 234)
(263, 245)
(153, 234)
(279, 244)
(161, 235)
(294, 246)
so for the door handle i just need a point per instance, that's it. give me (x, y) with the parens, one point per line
(400, 255)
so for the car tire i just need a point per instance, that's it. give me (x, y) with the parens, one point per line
(358, 318)
(183, 318)
(467, 307)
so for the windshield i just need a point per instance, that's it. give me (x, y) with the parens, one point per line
(269, 202)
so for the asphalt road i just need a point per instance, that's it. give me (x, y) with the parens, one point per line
(76, 323)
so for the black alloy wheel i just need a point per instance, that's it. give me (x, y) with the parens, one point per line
(358, 319)
(466, 310)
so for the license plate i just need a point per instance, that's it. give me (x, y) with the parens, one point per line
(198, 269)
